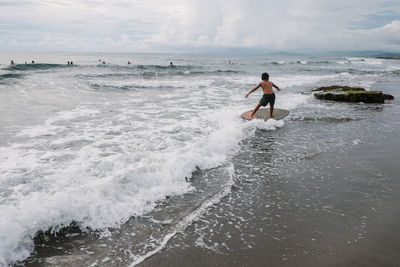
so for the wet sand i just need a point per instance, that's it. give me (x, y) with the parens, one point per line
(348, 216)
(332, 207)
(321, 191)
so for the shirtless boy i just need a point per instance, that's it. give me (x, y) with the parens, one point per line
(268, 97)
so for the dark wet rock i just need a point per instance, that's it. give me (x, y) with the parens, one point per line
(395, 56)
(388, 97)
(373, 97)
(350, 94)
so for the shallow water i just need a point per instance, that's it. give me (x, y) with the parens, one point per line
(317, 192)
(132, 155)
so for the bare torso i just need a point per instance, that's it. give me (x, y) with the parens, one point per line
(267, 87)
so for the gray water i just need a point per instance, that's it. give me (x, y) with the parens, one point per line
(115, 164)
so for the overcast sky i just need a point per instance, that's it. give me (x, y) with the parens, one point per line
(200, 25)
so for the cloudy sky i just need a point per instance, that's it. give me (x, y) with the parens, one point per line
(200, 25)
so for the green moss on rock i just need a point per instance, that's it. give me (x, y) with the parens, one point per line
(363, 92)
(339, 88)
(350, 94)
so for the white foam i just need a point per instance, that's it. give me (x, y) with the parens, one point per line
(99, 167)
(3, 70)
(299, 80)
(102, 162)
(291, 101)
(393, 68)
(188, 220)
(269, 125)
(373, 61)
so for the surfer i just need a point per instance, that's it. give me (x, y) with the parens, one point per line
(268, 97)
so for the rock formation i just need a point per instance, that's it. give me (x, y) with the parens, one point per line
(350, 94)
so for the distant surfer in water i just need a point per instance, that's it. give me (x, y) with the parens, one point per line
(268, 97)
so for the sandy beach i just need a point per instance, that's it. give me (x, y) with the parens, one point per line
(336, 208)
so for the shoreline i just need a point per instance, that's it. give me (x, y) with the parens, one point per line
(391, 58)
(335, 208)
(292, 196)
(356, 232)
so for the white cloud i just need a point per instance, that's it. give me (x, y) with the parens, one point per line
(154, 25)
(385, 37)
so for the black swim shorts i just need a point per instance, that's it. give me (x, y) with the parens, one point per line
(270, 98)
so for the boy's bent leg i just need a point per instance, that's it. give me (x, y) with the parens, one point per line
(253, 114)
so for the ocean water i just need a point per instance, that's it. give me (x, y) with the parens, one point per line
(105, 163)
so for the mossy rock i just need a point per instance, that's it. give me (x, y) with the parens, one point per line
(350, 94)
(339, 88)
(388, 97)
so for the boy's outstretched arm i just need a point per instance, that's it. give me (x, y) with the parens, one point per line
(252, 90)
(276, 87)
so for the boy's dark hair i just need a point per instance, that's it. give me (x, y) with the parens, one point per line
(264, 76)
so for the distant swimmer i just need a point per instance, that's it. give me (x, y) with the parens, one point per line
(68, 63)
(129, 63)
(268, 97)
(33, 62)
(104, 62)
(72, 63)
(12, 62)
(172, 65)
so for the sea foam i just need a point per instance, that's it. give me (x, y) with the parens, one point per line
(99, 168)
(112, 154)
